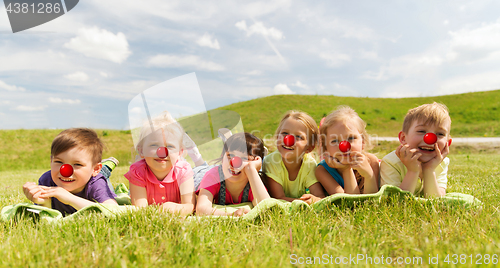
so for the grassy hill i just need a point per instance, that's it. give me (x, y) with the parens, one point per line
(473, 115)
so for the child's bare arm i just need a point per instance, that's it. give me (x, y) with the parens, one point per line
(409, 158)
(188, 200)
(65, 197)
(204, 206)
(138, 195)
(32, 191)
(330, 184)
(431, 188)
(371, 183)
(276, 191)
(258, 189)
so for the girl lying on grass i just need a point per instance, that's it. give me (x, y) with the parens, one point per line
(236, 180)
(290, 169)
(162, 176)
(347, 167)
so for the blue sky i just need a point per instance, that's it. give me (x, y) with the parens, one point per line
(82, 69)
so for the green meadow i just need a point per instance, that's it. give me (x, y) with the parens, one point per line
(406, 232)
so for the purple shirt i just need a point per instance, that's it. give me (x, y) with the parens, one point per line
(96, 190)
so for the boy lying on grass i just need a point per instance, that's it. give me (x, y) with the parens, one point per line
(73, 181)
(419, 165)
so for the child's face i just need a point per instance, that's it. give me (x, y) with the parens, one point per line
(231, 172)
(339, 132)
(160, 166)
(83, 169)
(299, 131)
(415, 138)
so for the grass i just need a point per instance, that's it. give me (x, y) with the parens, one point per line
(147, 238)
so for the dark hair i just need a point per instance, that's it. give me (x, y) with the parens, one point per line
(245, 143)
(84, 138)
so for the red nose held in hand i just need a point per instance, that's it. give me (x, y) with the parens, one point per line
(289, 140)
(345, 146)
(162, 152)
(66, 170)
(236, 162)
(430, 138)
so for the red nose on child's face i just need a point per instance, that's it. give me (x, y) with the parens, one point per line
(162, 152)
(345, 146)
(430, 138)
(289, 140)
(449, 142)
(66, 170)
(236, 162)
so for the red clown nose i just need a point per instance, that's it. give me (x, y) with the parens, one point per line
(236, 162)
(289, 140)
(430, 138)
(162, 152)
(345, 146)
(66, 170)
(449, 142)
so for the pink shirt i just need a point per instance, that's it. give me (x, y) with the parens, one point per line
(158, 191)
(211, 182)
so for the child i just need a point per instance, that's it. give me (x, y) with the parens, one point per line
(231, 182)
(354, 171)
(73, 181)
(162, 176)
(420, 165)
(291, 168)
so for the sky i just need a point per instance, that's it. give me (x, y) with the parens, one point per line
(83, 68)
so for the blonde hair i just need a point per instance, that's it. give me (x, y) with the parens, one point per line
(344, 114)
(163, 121)
(429, 114)
(306, 120)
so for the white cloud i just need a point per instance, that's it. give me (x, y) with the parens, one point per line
(189, 61)
(254, 72)
(100, 44)
(103, 74)
(208, 41)
(5, 102)
(469, 83)
(335, 59)
(24, 108)
(418, 65)
(300, 84)
(67, 101)
(477, 43)
(259, 28)
(5, 86)
(77, 77)
(282, 89)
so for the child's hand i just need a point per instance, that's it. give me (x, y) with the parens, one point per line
(58, 192)
(32, 191)
(256, 163)
(333, 162)
(240, 212)
(409, 157)
(309, 198)
(436, 160)
(361, 163)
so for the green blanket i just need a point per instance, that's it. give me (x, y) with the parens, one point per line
(338, 200)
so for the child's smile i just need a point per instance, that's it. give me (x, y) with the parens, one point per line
(415, 139)
(299, 131)
(83, 169)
